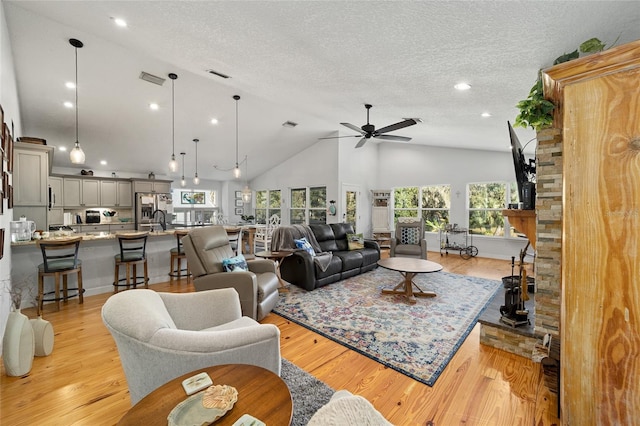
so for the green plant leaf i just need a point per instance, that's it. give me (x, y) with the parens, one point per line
(592, 45)
(566, 57)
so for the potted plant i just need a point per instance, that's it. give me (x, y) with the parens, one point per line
(537, 112)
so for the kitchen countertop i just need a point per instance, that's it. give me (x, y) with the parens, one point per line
(93, 236)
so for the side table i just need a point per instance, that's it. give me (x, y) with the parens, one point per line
(277, 257)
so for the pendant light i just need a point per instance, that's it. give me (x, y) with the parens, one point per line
(173, 164)
(246, 192)
(77, 154)
(196, 179)
(236, 171)
(183, 182)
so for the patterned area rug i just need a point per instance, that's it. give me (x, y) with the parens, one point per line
(416, 340)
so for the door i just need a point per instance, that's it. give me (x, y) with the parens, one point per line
(350, 200)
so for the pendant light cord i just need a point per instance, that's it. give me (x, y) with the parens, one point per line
(236, 97)
(76, 50)
(173, 119)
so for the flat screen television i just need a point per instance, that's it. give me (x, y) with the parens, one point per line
(525, 171)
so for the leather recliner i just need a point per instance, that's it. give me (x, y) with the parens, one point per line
(207, 247)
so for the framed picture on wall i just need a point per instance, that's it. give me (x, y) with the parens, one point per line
(187, 197)
(239, 203)
(10, 202)
(239, 212)
(5, 185)
(1, 243)
(8, 152)
(2, 143)
(238, 194)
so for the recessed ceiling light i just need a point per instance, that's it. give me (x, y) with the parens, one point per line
(214, 121)
(62, 148)
(120, 22)
(154, 106)
(68, 104)
(486, 114)
(103, 162)
(462, 86)
(70, 85)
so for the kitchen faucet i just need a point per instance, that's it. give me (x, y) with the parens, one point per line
(163, 223)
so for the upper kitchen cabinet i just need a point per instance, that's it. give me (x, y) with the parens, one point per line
(32, 163)
(158, 186)
(80, 192)
(115, 193)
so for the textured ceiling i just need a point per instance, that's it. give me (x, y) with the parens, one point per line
(314, 63)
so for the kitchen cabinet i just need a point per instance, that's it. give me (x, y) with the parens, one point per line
(158, 186)
(93, 228)
(56, 207)
(31, 174)
(113, 228)
(81, 192)
(115, 193)
(598, 101)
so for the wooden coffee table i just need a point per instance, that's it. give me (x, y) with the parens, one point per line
(261, 393)
(409, 268)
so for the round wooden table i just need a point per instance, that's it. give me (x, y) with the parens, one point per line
(261, 393)
(277, 257)
(409, 268)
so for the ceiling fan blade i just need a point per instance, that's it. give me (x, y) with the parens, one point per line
(393, 138)
(354, 128)
(400, 125)
(361, 143)
(345, 136)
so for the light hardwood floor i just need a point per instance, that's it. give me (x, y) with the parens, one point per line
(82, 381)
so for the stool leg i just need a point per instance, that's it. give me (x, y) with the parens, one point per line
(116, 277)
(179, 259)
(146, 275)
(65, 291)
(135, 275)
(40, 293)
(80, 289)
(57, 292)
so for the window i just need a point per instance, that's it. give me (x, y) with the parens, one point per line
(486, 201)
(267, 204)
(308, 205)
(431, 203)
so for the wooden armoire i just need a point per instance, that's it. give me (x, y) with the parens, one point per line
(598, 111)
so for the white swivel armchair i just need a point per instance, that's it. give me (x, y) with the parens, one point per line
(161, 336)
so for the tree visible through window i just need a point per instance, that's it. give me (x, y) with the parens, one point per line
(486, 201)
(308, 205)
(264, 210)
(430, 203)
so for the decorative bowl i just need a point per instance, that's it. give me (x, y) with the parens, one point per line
(124, 219)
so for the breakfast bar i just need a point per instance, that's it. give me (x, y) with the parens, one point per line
(97, 251)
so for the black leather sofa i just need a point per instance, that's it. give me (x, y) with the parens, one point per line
(301, 269)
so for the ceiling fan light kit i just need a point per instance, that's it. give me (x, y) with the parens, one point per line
(77, 154)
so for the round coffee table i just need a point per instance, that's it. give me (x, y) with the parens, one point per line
(261, 393)
(409, 268)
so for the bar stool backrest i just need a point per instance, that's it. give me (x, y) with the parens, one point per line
(179, 234)
(133, 246)
(60, 255)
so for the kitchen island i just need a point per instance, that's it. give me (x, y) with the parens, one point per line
(97, 251)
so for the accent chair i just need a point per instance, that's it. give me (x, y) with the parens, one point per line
(409, 240)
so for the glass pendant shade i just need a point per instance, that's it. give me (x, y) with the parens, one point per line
(77, 154)
(173, 164)
(196, 180)
(246, 194)
(236, 172)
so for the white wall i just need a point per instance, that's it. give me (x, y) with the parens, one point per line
(10, 106)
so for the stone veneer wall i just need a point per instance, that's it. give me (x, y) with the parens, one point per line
(548, 253)
(549, 231)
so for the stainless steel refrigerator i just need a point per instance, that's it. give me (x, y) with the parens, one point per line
(154, 211)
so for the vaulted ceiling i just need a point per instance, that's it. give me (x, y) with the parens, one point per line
(315, 63)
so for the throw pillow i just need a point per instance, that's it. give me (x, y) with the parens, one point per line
(303, 244)
(235, 264)
(355, 241)
(410, 236)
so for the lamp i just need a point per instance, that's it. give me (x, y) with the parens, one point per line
(183, 182)
(77, 154)
(196, 179)
(246, 191)
(236, 171)
(173, 165)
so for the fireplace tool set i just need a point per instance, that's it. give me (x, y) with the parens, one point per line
(514, 313)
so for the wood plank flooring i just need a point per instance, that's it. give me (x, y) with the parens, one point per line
(82, 382)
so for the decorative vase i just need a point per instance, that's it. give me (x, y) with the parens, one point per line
(43, 336)
(18, 345)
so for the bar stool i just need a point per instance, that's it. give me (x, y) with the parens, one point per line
(177, 255)
(133, 252)
(60, 258)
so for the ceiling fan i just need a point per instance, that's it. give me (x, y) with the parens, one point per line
(369, 131)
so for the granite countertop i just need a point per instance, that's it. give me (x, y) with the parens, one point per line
(92, 236)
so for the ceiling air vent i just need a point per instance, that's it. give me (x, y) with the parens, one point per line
(289, 124)
(152, 78)
(219, 74)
